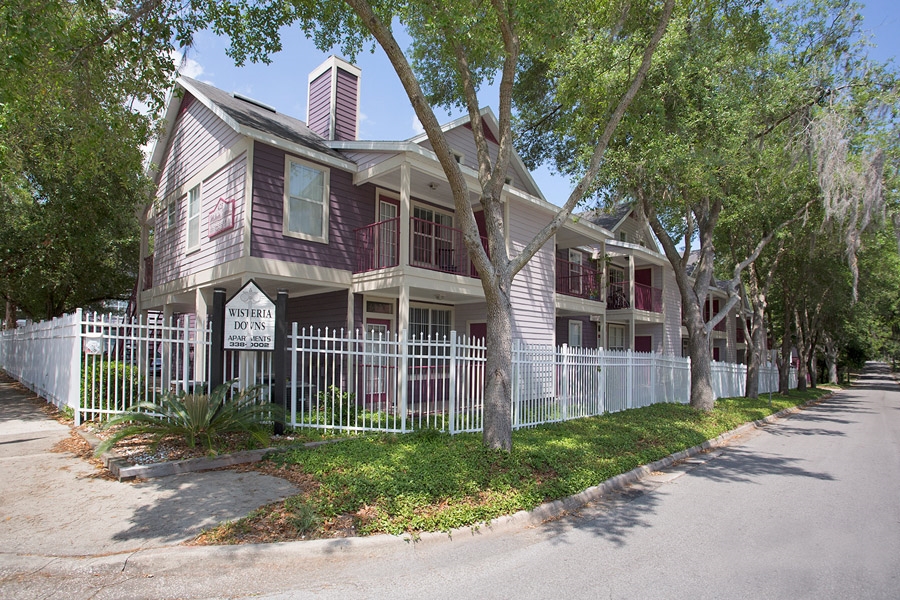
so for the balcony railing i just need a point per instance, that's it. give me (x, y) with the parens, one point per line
(575, 279)
(378, 245)
(645, 297)
(431, 246)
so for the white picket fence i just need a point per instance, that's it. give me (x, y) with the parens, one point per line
(99, 366)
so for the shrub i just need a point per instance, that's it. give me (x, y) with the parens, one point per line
(197, 417)
(111, 382)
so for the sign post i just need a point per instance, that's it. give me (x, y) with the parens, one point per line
(216, 348)
(280, 367)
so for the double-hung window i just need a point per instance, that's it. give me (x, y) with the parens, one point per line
(193, 218)
(305, 200)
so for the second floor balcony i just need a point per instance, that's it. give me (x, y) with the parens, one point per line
(432, 246)
(645, 298)
(576, 279)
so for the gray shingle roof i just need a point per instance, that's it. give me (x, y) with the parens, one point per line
(252, 115)
(606, 218)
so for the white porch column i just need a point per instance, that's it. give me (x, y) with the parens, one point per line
(631, 298)
(405, 211)
(403, 310)
(202, 304)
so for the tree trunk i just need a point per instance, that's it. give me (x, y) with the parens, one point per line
(9, 322)
(802, 353)
(497, 432)
(702, 395)
(784, 365)
(756, 341)
(831, 356)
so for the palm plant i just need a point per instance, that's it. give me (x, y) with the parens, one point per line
(196, 417)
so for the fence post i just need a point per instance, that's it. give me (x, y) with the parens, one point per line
(403, 378)
(76, 394)
(629, 396)
(454, 348)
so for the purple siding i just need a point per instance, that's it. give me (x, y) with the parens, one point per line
(319, 311)
(319, 114)
(346, 106)
(588, 331)
(197, 138)
(171, 260)
(350, 207)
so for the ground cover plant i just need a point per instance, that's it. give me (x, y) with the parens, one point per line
(430, 481)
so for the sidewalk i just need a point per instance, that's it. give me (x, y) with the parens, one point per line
(54, 504)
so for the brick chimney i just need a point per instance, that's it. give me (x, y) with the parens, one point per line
(333, 106)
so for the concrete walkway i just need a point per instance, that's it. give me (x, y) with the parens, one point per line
(53, 504)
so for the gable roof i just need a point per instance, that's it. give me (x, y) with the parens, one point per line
(607, 218)
(260, 117)
(247, 117)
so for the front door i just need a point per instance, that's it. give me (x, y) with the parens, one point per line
(643, 343)
(477, 331)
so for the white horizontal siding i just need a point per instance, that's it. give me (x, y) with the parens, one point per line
(533, 289)
(198, 138)
(170, 258)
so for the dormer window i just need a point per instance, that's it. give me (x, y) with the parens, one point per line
(623, 236)
(305, 200)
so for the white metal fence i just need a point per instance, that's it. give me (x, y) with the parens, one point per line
(100, 366)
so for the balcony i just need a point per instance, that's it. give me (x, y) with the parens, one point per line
(575, 279)
(378, 246)
(431, 246)
(646, 298)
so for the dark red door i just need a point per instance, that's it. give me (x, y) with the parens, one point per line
(477, 331)
(643, 343)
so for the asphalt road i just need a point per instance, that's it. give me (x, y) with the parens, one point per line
(806, 508)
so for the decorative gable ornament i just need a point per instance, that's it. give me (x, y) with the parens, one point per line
(221, 217)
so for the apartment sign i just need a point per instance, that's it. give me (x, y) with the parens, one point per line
(250, 320)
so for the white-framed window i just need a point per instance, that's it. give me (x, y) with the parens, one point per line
(427, 322)
(575, 271)
(305, 200)
(623, 236)
(171, 214)
(575, 328)
(615, 337)
(193, 218)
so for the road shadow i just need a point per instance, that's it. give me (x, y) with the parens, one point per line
(612, 518)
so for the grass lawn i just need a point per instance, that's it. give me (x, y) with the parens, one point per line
(429, 481)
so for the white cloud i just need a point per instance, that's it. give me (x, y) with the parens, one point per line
(417, 126)
(190, 68)
(186, 65)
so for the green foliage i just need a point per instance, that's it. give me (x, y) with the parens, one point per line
(196, 417)
(72, 78)
(431, 481)
(120, 382)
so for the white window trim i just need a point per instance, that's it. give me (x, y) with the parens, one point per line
(616, 327)
(576, 326)
(326, 201)
(192, 220)
(172, 213)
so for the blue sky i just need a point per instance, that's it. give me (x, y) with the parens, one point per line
(385, 110)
